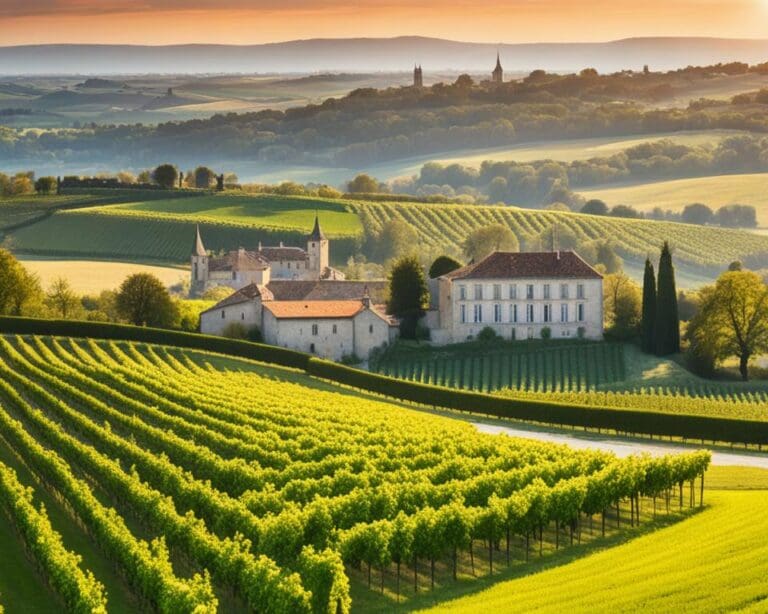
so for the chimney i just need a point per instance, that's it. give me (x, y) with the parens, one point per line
(259, 245)
(281, 243)
(366, 300)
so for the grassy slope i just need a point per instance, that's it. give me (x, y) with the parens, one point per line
(93, 276)
(256, 210)
(715, 561)
(562, 151)
(748, 189)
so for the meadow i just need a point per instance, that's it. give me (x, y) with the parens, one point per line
(671, 569)
(716, 191)
(561, 151)
(341, 501)
(93, 276)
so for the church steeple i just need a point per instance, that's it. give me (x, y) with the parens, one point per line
(498, 72)
(317, 233)
(418, 80)
(199, 248)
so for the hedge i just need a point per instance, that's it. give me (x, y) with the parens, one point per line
(195, 341)
(623, 420)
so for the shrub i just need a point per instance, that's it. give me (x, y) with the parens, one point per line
(546, 333)
(488, 335)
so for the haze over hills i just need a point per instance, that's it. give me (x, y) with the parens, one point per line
(384, 54)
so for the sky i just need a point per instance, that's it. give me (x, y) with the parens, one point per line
(162, 22)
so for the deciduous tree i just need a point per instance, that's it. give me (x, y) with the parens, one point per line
(483, 241)
(143, 301)
(408, 294)
(166, 176)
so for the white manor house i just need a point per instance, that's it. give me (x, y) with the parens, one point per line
(518, 294)
(297, 301)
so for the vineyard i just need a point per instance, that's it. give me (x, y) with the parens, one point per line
(199, 489)
(159, 229)
(448, 225)
(546, 368)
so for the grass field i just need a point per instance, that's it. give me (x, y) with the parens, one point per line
(749, 189)
(287, 462)
(672, 569)
(93, 276)
(561, 151)
(266, 211)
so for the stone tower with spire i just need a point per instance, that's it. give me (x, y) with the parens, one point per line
(498, 73)
(317, 249)
(199, 263)
(418, 79)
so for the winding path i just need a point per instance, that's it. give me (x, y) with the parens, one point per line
(619, 446)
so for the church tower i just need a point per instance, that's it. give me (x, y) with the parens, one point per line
(317, 249)
(498, 73)
(418, 80)
(199, 265)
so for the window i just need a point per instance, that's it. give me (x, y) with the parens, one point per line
(314, 330)
(546, 291)
(312, 347)
(580, 291)
(370, 328)
(478, 313)
(242, 315)
(513, 313)
(513, 291)
(529, 313)
(563, 290)
(514, 334)
(529, 291)
(335, 329)
(289, 265)
(234, 275)
(223, 314)
(478, 292)
(463, 314)
(496, 292)
(564, 312)
(497, 313)
(547, 313)
(462, 293)
(580, 312)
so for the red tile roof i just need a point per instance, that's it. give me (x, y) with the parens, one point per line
(511, 265)
(313, 309)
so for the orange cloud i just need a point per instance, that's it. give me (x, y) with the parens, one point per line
(228, 22)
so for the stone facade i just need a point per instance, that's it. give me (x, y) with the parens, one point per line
(239, 268)
(518, 295)
(329, 318)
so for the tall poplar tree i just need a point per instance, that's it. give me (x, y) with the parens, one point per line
(667, 319)
(648, 326)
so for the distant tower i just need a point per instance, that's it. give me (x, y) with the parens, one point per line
(317, 249)
(199, 264)
(418, 80)
(498, 72)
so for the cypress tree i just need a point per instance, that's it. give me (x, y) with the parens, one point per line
(648, 340)
(667, 319)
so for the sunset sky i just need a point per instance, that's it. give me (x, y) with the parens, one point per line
(257, 21)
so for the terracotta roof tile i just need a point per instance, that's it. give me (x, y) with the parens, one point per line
(510, 265)
(313, 309)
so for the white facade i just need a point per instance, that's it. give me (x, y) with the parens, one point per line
(248, 314)
(329, 337)
(517, 307)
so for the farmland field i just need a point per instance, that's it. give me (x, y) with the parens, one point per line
(669, 570)
(561, 151)
(162, 230)
(582, 373)
(93, 276)
(748, 189)
(521, 366)
(329, 488)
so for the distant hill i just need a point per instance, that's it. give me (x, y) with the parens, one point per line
(367, 54)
